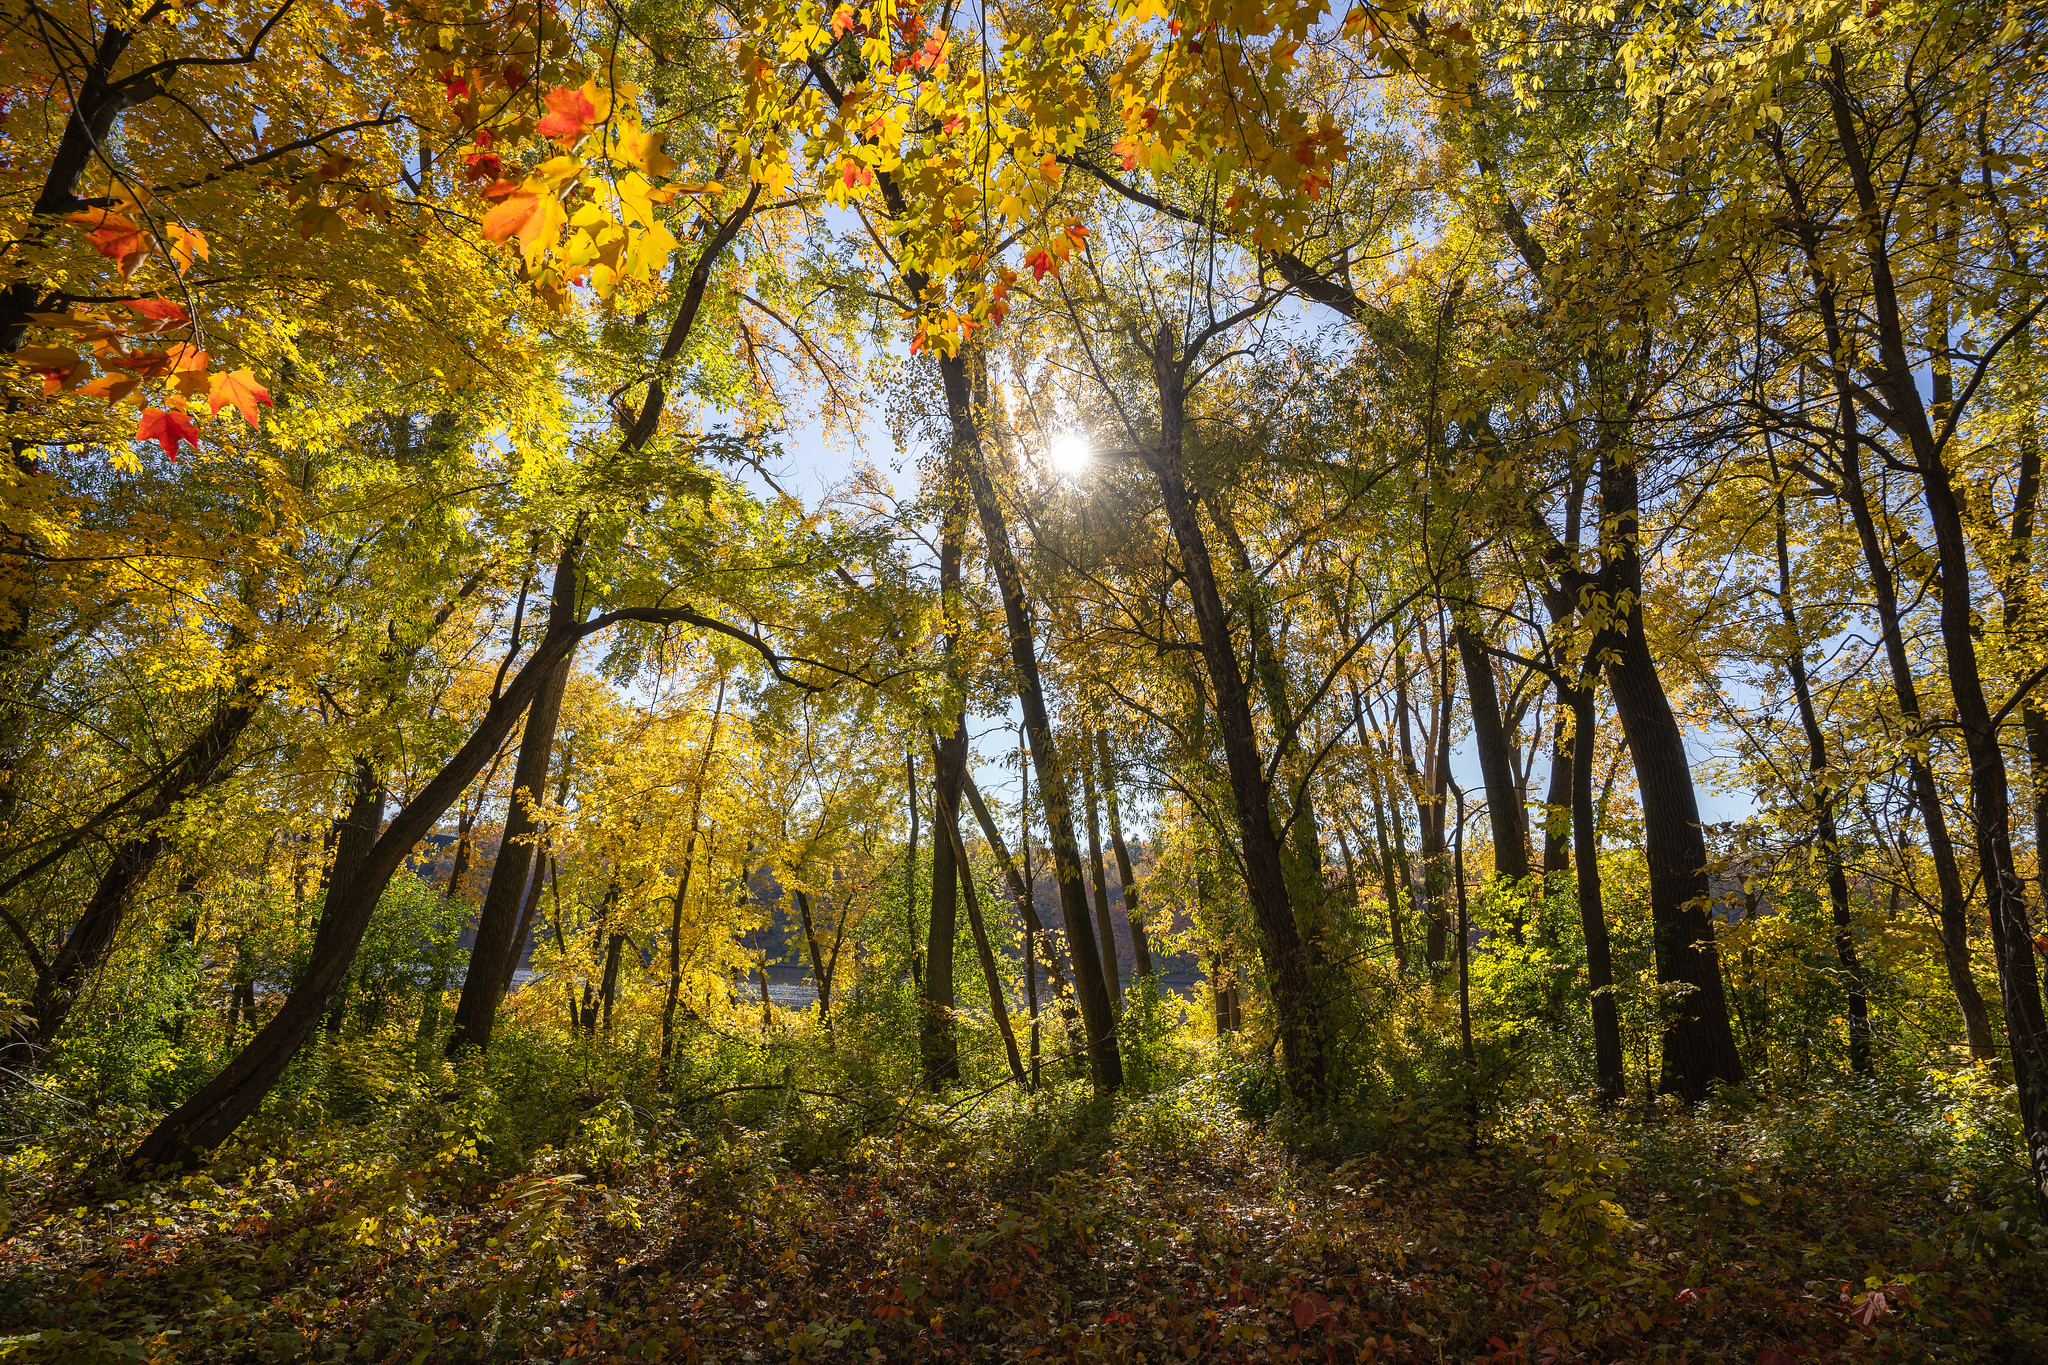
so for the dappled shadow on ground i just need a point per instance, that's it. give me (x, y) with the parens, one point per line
(1161, 1234)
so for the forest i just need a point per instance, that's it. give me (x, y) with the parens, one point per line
(1090, 680)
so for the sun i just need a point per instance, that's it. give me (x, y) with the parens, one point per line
(1068, 453)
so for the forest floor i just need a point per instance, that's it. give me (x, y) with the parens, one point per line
(1169, 1229)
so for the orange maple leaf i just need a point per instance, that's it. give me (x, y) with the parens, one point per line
(168, 429)
(854, 174)
(842, 19)
(535, 217)
(1042, 263)
(161, 310)
(121, 240)
(187, 246)
(240, 390)
(570, 114)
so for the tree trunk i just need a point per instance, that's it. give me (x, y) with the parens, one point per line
(518, 851)
(1490, 737)
(1607, 1055)
(1699, 1046)
(821, 973)
(1111, 973)
(358, 830)
(998, 1007)
(197, 767)
(910, 869)
(1104, 1063)
(1141, 946)
(1294, 1006)
(213, 1113)
(614, 949)
(1823, 807)
(937, 1048)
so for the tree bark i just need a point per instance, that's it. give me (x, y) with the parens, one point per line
(937, 1048)
(197, 767)
(910, 869)
(1294, 1006)
(1699, 1046)
(1104, 1063)
(1141, 946)
(1607, 1055)
(1112, 976)
(518, 851)
(1823, 807)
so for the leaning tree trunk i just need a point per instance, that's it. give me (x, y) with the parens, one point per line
(1294, 1006)
(999, 1008)
(1112, 978)
(1104, 1062)
(1141, 946)
(91, 940)
(497, 923)
(220, 1106)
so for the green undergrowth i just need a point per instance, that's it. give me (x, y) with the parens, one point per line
(556, 1207)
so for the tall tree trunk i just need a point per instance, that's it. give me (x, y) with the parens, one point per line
(1112, 976)
(2008, 911)
(910, 869)
(821, 971)
(1607, 1056)
(998, 1007)
(519, 850)
(937, 1048)
(1029, 912)
(1953, 912)
(1294, 1005)
(1141, 946)
(1557, 801)
(357, 831)
(1699, 1046)
(614, 949)
(1104, 1063)
(675, 929)
(1490, 737)
(1823, 805)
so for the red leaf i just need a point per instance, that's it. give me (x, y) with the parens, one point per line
(458, 86)
(168, 429)
(1309, 1308)
(570, 115)
(1041, 263)
(163, 310)
(482, 166)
